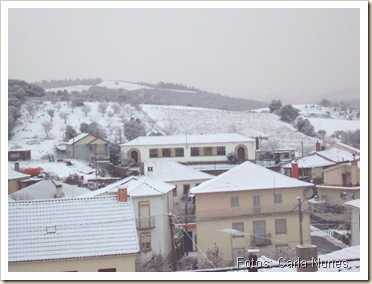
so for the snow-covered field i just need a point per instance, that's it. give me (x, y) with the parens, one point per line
(29, 134)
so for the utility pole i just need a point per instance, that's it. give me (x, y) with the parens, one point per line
(186, 235)
(174, 254)
(300, 217)
(302, 149)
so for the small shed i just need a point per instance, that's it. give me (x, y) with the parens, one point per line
(20, 154)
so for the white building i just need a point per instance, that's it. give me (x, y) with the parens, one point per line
(354, 205)
(152, 201)
(212, 148)
(181, 176)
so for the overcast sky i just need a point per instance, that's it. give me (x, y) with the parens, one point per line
(260, 54)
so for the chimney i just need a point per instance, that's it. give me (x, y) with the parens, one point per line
(295, 170)
(317, 146)
(307, 254)
(16, 166)
(59, 190)
(122, 195)
(257, 144)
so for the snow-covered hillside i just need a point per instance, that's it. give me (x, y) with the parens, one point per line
(29, 134)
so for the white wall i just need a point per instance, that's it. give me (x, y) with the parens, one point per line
(230, 147)
(160, 235)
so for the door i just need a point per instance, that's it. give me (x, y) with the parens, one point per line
(134, 156)
(241, 154)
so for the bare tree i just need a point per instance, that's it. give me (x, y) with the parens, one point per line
(31, 109)
(58, 106)
(86, 109)
(102, 107)
(116, 108)
(51, 113)
(63, 116)
(170, 128)
(47, 126)
(271, 145)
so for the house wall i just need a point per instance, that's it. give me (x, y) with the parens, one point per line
(121, 263)
(160, 206)
(210, 234)
(355, 226)
(14, 185)
(230, 147)
(214, 214)
(333, 176)
(343, 148)
(333, 195)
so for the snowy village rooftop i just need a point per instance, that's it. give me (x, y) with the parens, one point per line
(248, 176)
(46, 189)
(188, 139)
(311, 162)
(136, 186)
(12, 174)
(353, 203)
(337, 155)
(70, 228)
(173, 171)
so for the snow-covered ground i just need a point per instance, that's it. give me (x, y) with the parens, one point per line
(29, 134)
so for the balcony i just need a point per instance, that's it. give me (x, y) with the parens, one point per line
(145, 223)
(261, 240)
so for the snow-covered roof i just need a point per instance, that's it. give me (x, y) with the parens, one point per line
(61, 147)
(353, 203)
(310, 162)
(46, 189)
(12, 174)
(70, 228)
(188, 139)
(77, 138)
(348, 147)
(136, 186)
(339, 187)
(171, 171)
(248, 176)
(337, 155)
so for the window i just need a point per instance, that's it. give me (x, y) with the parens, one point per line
(281, 226)
(277, 198)
(256, 204)
(153, 153)
(194, 151)
(238, 230)
(286, 155)
(234, 201)
(166, 152)
(208, 151)
(221, 151)
(175, 191)
(145, 240)
(179, 152)
(107, 270)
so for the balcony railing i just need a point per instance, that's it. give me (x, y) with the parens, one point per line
(261, 240)
(145, 222)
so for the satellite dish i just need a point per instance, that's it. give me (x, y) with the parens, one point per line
(308, 193)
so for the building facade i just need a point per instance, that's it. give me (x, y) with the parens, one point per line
(250, 207)
(189, 148)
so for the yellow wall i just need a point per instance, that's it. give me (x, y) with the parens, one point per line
(12, 186)
(215, 214)
(121, 263)
(85, 140)
(225, 244)
(333, 176)
(218, 204)
(333, 195)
